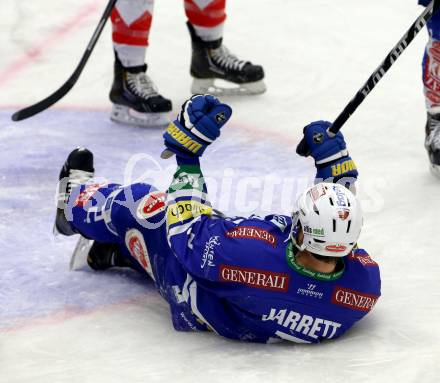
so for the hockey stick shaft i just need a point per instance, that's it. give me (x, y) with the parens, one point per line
(68, 85)
(383, 68)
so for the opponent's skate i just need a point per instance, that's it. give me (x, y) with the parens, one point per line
(212, 61)
(432, 142)
(77, 170)
(135, 98)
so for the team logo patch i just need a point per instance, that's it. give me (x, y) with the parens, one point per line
(87, 193)
(252, 232)
(151, 205)
(279, 221)
(261, 279)
(353, 299)
(336, 248)
(364, 259)
(134, 240)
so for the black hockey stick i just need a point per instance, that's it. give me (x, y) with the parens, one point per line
(391, 58)
(68, 85)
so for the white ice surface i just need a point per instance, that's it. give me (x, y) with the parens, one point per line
(61, 326)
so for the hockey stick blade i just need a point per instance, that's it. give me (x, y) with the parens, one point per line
(383, 68)
(43, 104)
(68, 85)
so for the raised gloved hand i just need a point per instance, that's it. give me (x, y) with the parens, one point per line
(329, 152)
(197, 126)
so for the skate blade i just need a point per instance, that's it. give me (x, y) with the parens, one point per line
(216, 87)
(435, 170)
(125, 115)
(78, 260)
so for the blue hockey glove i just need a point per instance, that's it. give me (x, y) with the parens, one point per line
(330, 153)
(197, 126)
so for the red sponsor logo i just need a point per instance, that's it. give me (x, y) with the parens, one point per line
(343, 214)
(87, 193)
(152, 204)
(134, 240)
(252, 232)
(336, 248)
(353, 299)
(262, 279)
(364, 259)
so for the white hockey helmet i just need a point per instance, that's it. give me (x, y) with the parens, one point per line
(331, 219)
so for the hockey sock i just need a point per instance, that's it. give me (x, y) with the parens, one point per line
(207, 17)
(131, 22)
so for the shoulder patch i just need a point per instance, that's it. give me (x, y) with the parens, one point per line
(362, 257)
(280, 221)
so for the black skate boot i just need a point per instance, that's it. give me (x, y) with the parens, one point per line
(77, 170)
(102, 256)
(432, 142)
(212, 60)
(135, 98)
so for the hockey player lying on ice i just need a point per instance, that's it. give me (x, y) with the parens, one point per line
(299, 278)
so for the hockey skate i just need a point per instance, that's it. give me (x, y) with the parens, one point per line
(212, 63)
(97, 255)
(432, 142)
(77, 170)
(135, 98)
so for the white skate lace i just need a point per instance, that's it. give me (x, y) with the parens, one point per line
(433, 139)
(227, 60)
(78, 177)
(141, 85)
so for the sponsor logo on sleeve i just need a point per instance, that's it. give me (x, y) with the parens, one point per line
(184, 210)
(87, 194)
(151, 205)
(353, 299)
(208, 252)
(262, 279)
(251, 232)
(364, 259)
(134, 240)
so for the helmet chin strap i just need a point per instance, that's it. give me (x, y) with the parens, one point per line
(294, 232)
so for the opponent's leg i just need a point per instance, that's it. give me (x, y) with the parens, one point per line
(211, 59)
(135, 97)
(431, 81)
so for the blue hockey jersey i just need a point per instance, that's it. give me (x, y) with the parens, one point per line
(238, 276)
